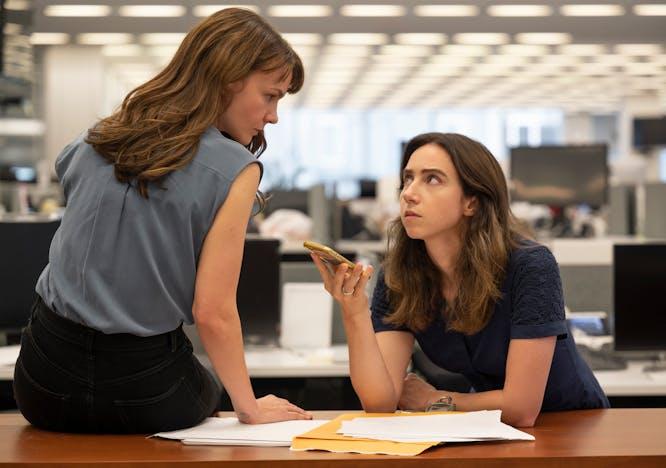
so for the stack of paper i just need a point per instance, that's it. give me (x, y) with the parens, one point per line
(437, 427)
(405, 433)
(229, 431)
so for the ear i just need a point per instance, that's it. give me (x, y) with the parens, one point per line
(469, 205)
(236, 86)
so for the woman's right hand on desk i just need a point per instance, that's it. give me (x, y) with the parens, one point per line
(273, 409)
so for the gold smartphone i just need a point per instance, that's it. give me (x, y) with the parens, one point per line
(327, 254)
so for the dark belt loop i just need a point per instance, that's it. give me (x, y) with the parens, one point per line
(173, 337)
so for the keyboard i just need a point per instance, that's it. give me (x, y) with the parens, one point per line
(599, 360)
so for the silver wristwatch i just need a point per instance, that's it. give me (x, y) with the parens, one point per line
(444, 403)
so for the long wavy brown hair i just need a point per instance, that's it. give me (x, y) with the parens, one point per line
(157, 128)
(415, 283)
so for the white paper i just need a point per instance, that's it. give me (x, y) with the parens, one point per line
(9, 355)
(229, 431)
(306, 316)
(473, 426)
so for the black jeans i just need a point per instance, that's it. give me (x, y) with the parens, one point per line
(72, 378)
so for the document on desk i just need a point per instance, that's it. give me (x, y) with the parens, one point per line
(229, 431)
(476, 426)
(405, 434)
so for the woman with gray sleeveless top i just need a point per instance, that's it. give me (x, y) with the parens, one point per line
(158, 196)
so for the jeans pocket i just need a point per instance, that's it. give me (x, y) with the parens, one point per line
(176, 408)
(42, 407)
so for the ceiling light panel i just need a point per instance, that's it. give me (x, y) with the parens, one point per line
(207, 10)
(466, 50)
(42, 38)
(526, 50)
(446, 10)
(638, 49)
(405, 50)
(372, 10)
(303, 38)
(300, 11)
(161, 38)
(647, 9)
(519, 10)
(77, 10)
(543, 38)
(395, 61)
(420, 38)
(358, 38)
(104, 38)
(582, 49)
(125, 50)
(596, 9)
(481, 38)
(152, 11)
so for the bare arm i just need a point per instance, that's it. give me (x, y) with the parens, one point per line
(527, 368)
(214, 308)
(377, 362)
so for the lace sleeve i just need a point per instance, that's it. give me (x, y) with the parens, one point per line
(538, 304)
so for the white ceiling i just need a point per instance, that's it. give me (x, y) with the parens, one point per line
(592, 64)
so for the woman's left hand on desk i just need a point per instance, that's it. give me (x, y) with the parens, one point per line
(417, 394)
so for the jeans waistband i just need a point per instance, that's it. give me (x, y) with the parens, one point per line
(95, 339)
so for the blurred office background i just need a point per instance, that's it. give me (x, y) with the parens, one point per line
(570, 96)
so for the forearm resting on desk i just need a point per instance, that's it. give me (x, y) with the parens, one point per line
(222, 338)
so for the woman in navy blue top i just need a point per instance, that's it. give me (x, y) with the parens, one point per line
(462, 279)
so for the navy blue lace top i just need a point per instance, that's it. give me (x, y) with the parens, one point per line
(531, 306)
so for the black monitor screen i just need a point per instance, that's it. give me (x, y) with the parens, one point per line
(640, 302)
(287, 199)
(24, 252)
(649, 132)
(258, 294)
(560, 175)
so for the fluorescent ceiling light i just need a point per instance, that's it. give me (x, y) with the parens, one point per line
(519, 10)
(207, 10)
(460, 60)
(526, 50)
(162, 50)
(19, 5)
(481, 38)
(153, 11)
(77, 10)
(446, 10)
(582, 49)
(303, 38)
(358, 38)
(420, 38)
(13, 29)
(38, 38)
(306, 52)
(406, 50)
(610, 59)
(300, 11)
(657, 9)
(543, 38)
(605, 9)
(512, 60)
(161, 38)
(126, 50)
(348, 50)
(638, 49)
(372, 10)
(103, 38)
(388, 61)
(469, 50)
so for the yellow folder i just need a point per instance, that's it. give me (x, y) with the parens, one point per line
(325, 437)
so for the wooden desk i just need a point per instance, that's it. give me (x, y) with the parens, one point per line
(595, 438)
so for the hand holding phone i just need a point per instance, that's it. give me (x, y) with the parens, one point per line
(327, 254)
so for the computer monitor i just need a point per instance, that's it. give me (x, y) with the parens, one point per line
(649, 132)
(640, 303)
(24, 252)
(287, 199)
(258, 294)
(560, 175)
